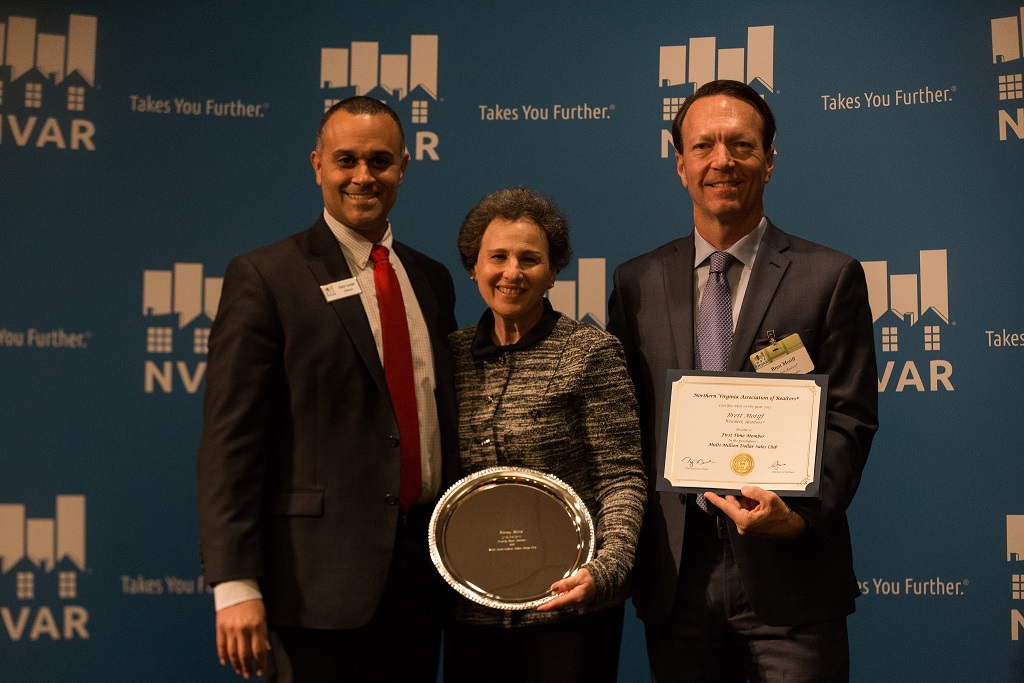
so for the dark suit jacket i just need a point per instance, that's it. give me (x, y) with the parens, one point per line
(299, 461)
(795, 286)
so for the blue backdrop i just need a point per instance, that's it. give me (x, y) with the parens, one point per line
(141, 148)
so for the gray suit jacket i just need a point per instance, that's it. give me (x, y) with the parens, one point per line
(299, 461)
(795, 286)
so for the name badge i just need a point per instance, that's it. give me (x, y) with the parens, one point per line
(787, 356)
(340, 289)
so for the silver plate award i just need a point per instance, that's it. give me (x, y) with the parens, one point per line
(503, 535)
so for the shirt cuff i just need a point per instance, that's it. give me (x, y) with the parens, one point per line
(231, 593)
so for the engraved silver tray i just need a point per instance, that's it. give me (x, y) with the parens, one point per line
(503, 535)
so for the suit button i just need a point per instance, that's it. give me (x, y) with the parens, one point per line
(392, 441)
(391, 499)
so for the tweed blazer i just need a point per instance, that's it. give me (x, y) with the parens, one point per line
(564, 406)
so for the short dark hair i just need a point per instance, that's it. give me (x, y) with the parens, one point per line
(513, 204)
(360, 104)
(737, 90)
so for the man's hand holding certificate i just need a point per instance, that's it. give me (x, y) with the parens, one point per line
(760, 513)
(727, 431)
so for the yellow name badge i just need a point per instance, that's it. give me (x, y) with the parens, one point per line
(787, 356)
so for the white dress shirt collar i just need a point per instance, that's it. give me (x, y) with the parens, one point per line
(744, 250)
(355, 246)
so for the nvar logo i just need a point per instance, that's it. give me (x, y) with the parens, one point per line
(41, 560)
(46, 81)
(911, 316)
(1015, 554)
(583, 298)
(406, 82)
(1007, 35)
(180, 305)
(684, 68)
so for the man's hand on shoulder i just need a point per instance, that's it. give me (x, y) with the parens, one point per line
(242, 637)
(758, 512)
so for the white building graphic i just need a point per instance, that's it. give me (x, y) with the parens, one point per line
(1015, 553)
(178, 300)
(900, 303)
(583, 299)
(1015, 538)
(361, 69)
(55, 56)
(46, 70)
(32, 548)
(684, 68)
(1008, 47)
(1006, 38)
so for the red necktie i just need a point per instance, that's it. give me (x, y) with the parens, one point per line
(398, 371)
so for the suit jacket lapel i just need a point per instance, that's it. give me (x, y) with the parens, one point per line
(328, 265)
(430, 307)
(770, 266)
(677, 271)
(421, 285)
(430, 292)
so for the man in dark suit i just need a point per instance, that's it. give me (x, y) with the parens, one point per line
(755, 586)
(312, 535)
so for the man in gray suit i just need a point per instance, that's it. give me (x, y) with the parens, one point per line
(312, 510)
(756, 586)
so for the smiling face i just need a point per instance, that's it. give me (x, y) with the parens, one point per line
(724, 166)
(513, 271)
(359, 163)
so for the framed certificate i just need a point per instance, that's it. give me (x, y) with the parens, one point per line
(725, 430)
(502, 536)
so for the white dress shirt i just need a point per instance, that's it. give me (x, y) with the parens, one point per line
(738, 273)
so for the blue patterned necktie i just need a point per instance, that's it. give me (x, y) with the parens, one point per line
(714, 329)
(714, 319)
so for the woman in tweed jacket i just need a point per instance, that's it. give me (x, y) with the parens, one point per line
(539, 390)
